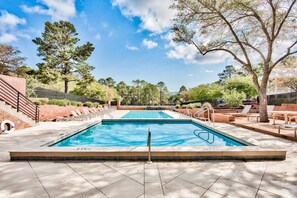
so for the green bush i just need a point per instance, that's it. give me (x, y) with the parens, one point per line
(234, 98)
(207, 104)
(43, 102)
(88, 104)
(38, 103)
(58, 102)
(96, 104)
(193, 105)
(184, 106)
(73, 103)
(79, 104)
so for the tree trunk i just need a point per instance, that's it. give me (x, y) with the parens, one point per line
(263, 106)
(66, 86)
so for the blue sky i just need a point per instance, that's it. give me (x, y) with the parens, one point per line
(131, 37)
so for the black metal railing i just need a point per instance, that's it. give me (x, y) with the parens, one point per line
(17, 100)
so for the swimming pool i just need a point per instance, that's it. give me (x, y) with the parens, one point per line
(146, 114)
(134, 133)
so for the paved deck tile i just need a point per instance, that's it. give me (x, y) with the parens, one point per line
(138, 179)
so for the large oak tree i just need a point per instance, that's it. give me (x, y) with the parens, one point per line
(253, 32)
(62, 56)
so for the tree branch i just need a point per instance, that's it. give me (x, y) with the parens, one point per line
(284, 19)
(286, 55)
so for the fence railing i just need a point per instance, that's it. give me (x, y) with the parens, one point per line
(17, 100)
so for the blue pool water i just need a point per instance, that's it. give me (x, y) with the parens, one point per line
(146, 114)
(134, 133)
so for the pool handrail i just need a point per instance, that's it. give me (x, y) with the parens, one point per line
(149, 141)
(203, 110)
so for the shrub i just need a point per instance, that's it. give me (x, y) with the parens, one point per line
(88, 104)
(193, 105)
(38, 103)
(73, 103)
(96, 104)
(234, 98)
(43, 102)
(79, 104)
(68, 102)
(58, 102)
(207, 104)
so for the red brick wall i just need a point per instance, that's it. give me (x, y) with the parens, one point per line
(286, 107)
(18, 83)
(51, 112)
(18, 123)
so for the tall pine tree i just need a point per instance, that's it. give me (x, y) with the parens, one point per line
(62, 57)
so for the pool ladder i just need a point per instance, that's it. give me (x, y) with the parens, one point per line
(149, 142)
(209, 110)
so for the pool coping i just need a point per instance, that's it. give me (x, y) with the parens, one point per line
(182, 153)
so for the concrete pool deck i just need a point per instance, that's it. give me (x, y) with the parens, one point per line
(139, 179)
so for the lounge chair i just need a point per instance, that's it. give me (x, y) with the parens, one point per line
(78, 112)
(88, 113)
(291, 118)
(243, 113)
(288, 126)
(76, 116)
(257, 115)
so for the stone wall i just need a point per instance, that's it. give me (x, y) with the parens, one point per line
(18, 123)
(17, 83)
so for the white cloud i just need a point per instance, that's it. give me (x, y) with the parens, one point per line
(155, 15)
(97, 36)
(190, 75)
(189, 54)
(104, 24)
(110, 33)
(58, 10)
(149, 44)
(208, 71)
(8, 25)
(9, 21)
(84, 17)
(132, 47)
(7, 38)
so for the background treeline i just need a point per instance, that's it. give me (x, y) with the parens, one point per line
(64, 68)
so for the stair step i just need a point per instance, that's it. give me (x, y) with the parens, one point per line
(19, 115)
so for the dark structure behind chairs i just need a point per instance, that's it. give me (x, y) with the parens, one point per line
(285, 98)
(51, 94)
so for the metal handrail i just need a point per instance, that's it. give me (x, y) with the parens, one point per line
(187, 113)
(203, 110)
(149, 141)
(17, 100)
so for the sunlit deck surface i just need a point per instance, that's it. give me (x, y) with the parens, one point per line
(266, 128)
(139, 179)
